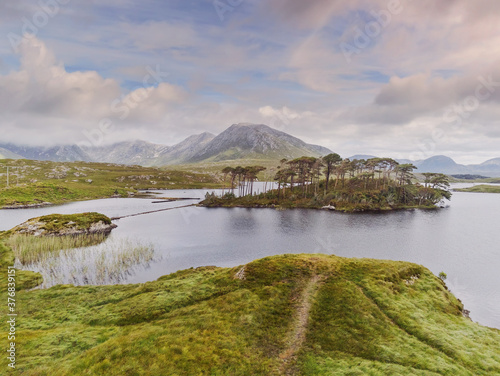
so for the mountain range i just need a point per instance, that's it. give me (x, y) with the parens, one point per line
(239, 141)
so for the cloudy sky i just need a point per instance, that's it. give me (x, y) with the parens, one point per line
(399, 78)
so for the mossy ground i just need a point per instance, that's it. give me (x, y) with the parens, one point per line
(57, 224)
(367, 317)
(36, 182)
(83, 221)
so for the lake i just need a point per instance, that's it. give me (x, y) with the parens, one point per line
(462, 240)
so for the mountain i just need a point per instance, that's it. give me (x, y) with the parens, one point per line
(492, 163)
(148, 154)
(257, 141)
(440, 163)
(448, 166)
(7, 154)
(62, 153)
(129, 152)
(184, 150)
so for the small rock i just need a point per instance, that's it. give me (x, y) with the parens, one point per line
(328, 207)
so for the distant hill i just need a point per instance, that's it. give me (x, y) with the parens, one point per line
(440, 163)
(131, 153)
(361, 156)
(446, 165)
(7, 154)
(62, 153)
(495, 162)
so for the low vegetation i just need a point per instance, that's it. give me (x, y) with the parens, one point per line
(362, 317)
(358, 185)
(43, 182)
(482, 188)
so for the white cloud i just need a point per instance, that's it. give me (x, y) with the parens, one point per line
(43, 94)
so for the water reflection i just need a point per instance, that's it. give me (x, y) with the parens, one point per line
(242, 221)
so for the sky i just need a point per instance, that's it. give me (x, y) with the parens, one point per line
(398, 78)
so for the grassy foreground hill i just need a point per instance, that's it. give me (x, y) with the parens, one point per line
(281, 315)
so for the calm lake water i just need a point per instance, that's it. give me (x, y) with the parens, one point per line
(461, 240)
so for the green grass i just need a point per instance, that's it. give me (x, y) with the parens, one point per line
(483, 188)
(38, 182)
(366, 318)
(24, 279)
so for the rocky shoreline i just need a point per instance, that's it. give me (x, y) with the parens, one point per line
(27, 206)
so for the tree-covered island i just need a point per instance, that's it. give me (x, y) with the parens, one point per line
(331, 182)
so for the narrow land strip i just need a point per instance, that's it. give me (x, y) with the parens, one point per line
(152, 211)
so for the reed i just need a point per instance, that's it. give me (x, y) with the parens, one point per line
(30, 249)
(111, 262)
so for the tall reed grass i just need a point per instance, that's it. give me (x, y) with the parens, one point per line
(78, 261)
(29, 249)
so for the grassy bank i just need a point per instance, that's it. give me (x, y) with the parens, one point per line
(39, 182)
(483, 188)
(290, 314)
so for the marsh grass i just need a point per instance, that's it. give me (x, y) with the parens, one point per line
(30, 249)
(78, 261)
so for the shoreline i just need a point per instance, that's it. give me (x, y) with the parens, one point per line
(339, 210)
(28, 206)
(142, 194)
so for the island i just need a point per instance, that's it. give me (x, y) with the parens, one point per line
(333, 183)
